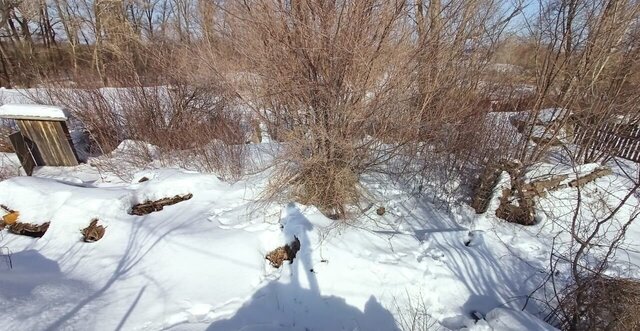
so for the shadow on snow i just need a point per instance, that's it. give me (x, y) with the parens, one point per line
(290, 305)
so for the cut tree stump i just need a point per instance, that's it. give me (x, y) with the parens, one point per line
(521, 213)
(484, 189)
(93, 232)
(285, 253)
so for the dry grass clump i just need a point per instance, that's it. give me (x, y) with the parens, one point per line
(602, 303)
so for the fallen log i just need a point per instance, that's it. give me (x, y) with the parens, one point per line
(29, 230)
(149, 207)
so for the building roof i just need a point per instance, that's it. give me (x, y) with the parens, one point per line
(33, 112)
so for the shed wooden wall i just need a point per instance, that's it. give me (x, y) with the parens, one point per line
(52, 140)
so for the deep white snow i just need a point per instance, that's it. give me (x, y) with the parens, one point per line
(200, 264)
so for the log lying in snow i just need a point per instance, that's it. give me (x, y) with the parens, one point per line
(28, 229)
(600, 172)
(539, 187)
(517, 201)
(149, 207)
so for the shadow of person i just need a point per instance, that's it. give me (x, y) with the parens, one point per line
(279, 306)
(296, 225)
(292, 303)
(30, 270)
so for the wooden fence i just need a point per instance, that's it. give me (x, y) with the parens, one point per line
(619, 139)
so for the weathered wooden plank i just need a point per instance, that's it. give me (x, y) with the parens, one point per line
(66, 143)
(28, 131)
(53, 144)
(62, 145)
(67, 135)
(52, 140)
(23, 152)
(622, 140)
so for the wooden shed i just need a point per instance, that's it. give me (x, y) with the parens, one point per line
(43, 138)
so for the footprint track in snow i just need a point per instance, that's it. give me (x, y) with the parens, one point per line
(391, 258)
(200, 313)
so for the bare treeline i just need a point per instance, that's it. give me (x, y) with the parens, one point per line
(67, 39)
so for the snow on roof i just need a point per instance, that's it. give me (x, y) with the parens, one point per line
(32, 112)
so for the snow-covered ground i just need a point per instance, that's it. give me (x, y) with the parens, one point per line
(200, 264)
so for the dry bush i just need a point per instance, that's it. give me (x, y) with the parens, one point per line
(455, 136)
(412, 314)
(6, 173)
(93, 110)
(326, 74)
(605, 304)
(6, 128)
(184, 109)
(229, 161)
(353, 88)
(9, 168)
(579, 292)
(520, 51)
(584, 51)
(451, 166)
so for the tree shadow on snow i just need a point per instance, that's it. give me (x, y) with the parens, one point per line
(34, 289)
(295, 302)
(489, 278)
(492, 281)
(139, 244)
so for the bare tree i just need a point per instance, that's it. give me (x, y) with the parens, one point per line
(327, 75)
